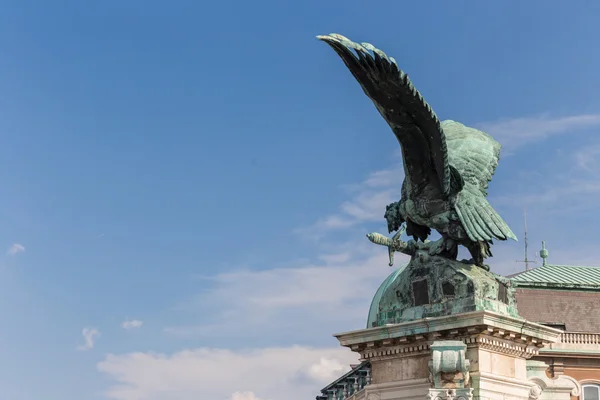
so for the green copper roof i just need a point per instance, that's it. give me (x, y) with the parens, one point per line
(565, 276)
(374, 309)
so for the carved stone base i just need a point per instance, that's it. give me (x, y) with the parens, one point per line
(481, 350)
(450, 394)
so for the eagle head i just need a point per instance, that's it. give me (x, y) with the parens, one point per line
(393, 217)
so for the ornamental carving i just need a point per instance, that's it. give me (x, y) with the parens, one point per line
(449, 367)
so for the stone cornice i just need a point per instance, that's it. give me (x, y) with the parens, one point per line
(384, 353)
(584, 287)
(509, 347)
(570, 353)
(486, 329)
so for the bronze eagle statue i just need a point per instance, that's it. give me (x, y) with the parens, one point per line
(447, 165)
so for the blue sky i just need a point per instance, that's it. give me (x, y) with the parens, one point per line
(189, 185)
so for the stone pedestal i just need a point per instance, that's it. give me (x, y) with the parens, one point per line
(475, 355)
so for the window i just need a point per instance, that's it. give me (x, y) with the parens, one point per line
(502, 293)
(591, 392)
(448, 289)
(420, 292)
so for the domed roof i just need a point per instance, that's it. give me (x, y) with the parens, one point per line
(374, 309)
(434, 286)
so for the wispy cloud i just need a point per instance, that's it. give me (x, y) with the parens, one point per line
(518, 132)
(369, 198)
(350, 276)
(569, 191)
(344, 281)
(15, 249)
(89, 337)
(367, 203)
(132, 324)
(571, 186)
(587, 157)
(296, 371)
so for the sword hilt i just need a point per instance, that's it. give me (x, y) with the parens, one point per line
(390, 243)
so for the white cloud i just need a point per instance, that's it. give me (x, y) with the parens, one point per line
(327, 370)
(89, 337)
(517, 132)
(329, 295)
(132, 324)
(16, 249)
(345, 281)
(293, 373)
(244, 396)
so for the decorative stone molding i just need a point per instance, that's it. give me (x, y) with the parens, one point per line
(502, 334)
(561, 386)
(494, 386)
(410, 350)
(508, 347)
(450, 394)
(420, 344)
(516, 338)
(557, 368)
(535, 392)
(449, 367)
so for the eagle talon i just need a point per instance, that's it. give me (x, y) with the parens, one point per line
(475, 263)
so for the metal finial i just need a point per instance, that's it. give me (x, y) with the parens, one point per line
(544, 253)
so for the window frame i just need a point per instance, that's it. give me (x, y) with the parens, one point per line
(594, 385)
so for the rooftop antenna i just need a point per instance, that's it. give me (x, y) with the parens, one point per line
(526, 260)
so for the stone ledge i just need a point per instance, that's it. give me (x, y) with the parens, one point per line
(489, 330)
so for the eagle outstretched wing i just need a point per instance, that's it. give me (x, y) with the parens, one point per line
(474, 153)
(452, 156)
(412, 120)
(475, 156)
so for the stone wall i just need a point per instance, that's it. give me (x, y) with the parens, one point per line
(579, 311)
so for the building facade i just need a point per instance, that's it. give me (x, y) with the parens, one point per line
(567, 298)
(533, 335)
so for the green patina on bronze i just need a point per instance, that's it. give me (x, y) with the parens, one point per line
(447, 165)
(433, 286)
